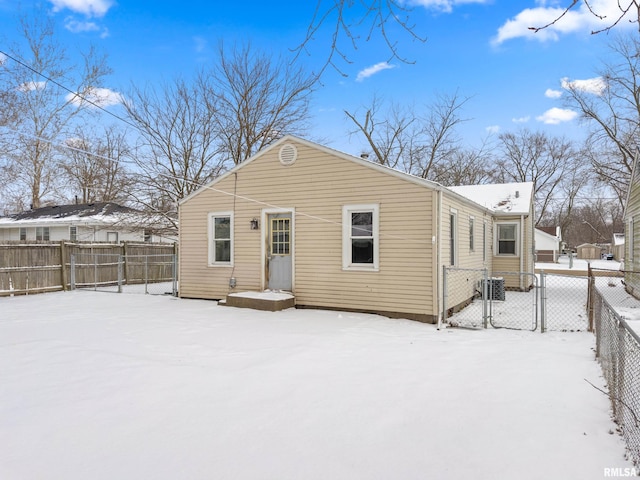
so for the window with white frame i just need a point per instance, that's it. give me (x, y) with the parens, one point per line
(42, 233)
(73, 234)
(221, 239)
(453, 237)
(507, 238)
(471, 234)
(484, 241)
(360, 237)
(23, 233)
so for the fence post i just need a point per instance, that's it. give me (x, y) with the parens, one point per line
(63, 265)
(72, 272)
(443, 317)
(543, 302)
(485, 298)
(120, 262)
(174, 287)
(590, 290)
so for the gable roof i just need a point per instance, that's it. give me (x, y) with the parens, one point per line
(525, 189)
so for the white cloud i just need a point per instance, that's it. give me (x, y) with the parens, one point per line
(369, 71)
(521, 119)
(493, 129)
(90, 8)
(595, 85)
(30, 86)
(444, 5)
(578, 19)
(200, 44)
(550, 93)
(102, 97)
(555, 116)
(76, 26)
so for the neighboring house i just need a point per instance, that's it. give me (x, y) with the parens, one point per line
(548, 244)
(617, 246)
(344, 233)
(90, 222)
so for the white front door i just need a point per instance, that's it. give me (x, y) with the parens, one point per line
(279, 264)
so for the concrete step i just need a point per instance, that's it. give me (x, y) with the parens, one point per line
(268, 300)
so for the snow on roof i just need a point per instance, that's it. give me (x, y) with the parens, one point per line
(512, 198)
(105, 212)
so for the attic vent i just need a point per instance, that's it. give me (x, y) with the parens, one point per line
(288, 154)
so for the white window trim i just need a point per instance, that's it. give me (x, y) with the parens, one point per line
(497, 240)
(211, 238)
(347, 264)
(472, 233)
(453, 238)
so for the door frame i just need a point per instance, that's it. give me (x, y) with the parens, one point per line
(265, 227)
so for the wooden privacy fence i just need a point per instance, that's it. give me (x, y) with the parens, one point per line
(45, 267)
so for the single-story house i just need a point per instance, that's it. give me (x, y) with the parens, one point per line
(548, 244)
(88, 222)
(340, 232)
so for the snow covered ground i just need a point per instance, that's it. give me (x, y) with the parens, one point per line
(102, 386)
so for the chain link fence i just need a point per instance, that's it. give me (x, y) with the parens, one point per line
(472, 298)
(149, 274)
(618, 351)
(564, 301)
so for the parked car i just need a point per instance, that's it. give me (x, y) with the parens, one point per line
(607, 256)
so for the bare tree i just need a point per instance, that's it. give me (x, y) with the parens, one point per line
(612, 112)
(179, 149)
(349, 23)
(626, 8)
(95, 167)
(470, 166)
(35, 82)
(535, 157)
(257, 99)
(401, 138)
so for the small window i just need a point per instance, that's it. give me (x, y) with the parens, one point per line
(507, 238)
(147, 235)
(42, 234)
(360, 237)
(23, 233)
(453, 234)
(484, 241)
(221, 239)
(112, 237)
(630, 241)
(73, 234)
(471, 245)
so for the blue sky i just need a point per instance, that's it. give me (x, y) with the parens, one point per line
(480, 49)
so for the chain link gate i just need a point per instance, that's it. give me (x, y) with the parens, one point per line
(149, 274)
(473, 299)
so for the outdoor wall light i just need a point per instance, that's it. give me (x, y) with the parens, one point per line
(254, 224)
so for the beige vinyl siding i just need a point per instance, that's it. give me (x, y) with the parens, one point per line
(317, 186)
(632, 236)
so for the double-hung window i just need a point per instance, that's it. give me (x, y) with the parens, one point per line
(42, 234)
(507, 238)
(360, 237)
(471, 234)
(221, 239)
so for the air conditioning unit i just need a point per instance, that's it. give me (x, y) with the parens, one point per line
(495, 288)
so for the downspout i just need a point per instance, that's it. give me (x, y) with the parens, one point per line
(439, 272)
